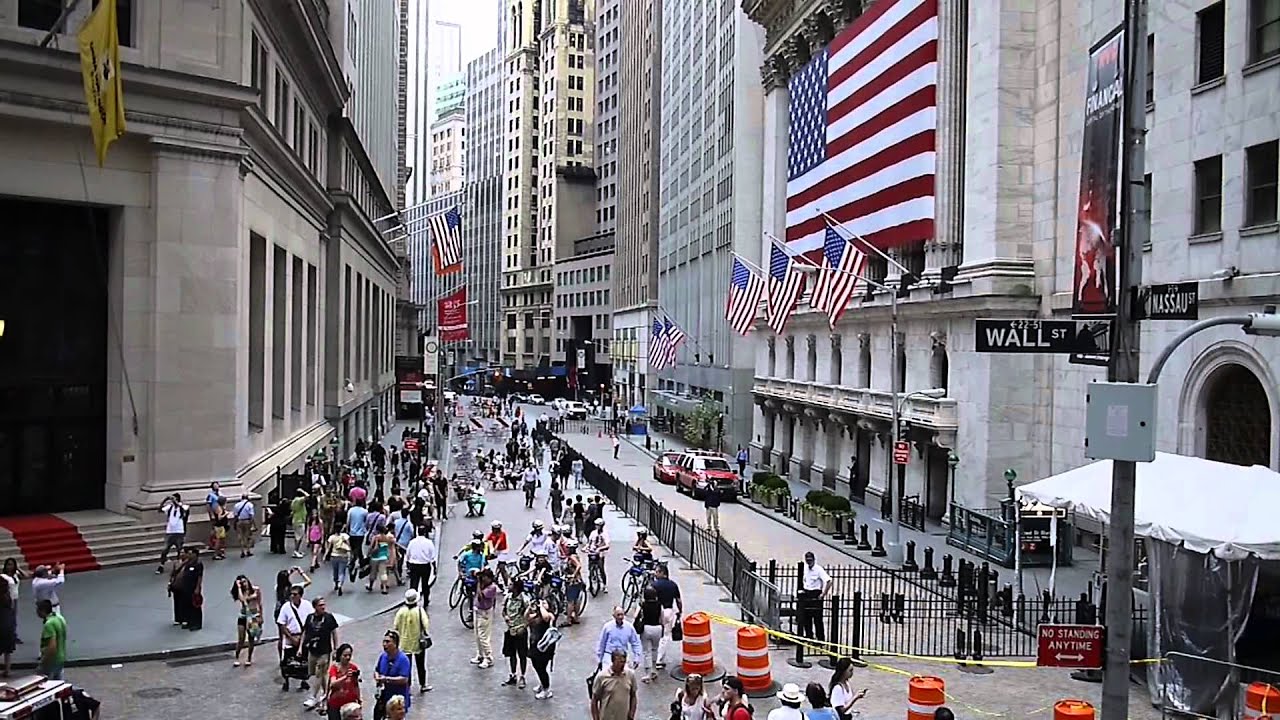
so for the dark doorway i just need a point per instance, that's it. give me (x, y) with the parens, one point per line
(53, 361)
(936, 483)
(1237, 418)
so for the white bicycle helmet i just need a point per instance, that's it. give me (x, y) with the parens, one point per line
(599, 522)
(537, 524)
(642, 531)
(496, 524)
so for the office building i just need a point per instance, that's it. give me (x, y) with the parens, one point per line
(583, 315)
(635, 171)
(608, 42)
(245, 295)
(448, 143)
(425, 286)
(710, 203)
(482, 225)
(450, 94)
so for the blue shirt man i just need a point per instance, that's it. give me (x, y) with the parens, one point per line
(618, 634)
(356, 518)
(473, 559)
(393, 669)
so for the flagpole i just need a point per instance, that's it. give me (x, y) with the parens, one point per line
(789, 252)
(697, 345)
(750, 265)
(901, 268)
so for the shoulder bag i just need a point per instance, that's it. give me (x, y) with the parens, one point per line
(424, 638)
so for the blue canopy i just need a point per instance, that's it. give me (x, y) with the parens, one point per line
(639, 410)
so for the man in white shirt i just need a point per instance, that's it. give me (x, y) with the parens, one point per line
(814, 585)
(790, 698)
(596, 548)
(45, 583)
(292, 615)
(175, 527)
(246, 527)
(420, 557)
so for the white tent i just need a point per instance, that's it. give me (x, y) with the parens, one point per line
(1203, 505)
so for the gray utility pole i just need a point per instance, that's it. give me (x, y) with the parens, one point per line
(897, 473)
(1124, 367)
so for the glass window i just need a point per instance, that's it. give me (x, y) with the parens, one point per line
(1208, 189)
(1261, 171)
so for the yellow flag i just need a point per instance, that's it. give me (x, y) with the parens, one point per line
(100, 67)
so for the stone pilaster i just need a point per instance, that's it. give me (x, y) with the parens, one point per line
(946, 247)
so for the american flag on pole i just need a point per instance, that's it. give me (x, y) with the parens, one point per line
(666, 340)
(446, 241)
(745, 291)
(837, 275)
(786, 282)
(863, 123)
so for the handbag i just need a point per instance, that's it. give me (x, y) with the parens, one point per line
(549, 639)
(424, 638)
(677, 631)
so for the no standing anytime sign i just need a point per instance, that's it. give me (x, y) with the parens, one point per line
(1070, 646)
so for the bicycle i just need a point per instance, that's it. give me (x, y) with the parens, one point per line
(459, 589)
(595, 574)
(466, 608)
(638, 577)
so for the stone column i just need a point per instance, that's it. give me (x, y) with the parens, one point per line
(945, 249)
(811, 351)
(773, 75)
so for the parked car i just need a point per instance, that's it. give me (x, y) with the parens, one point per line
(575, 410)
(559, 403)
(535, 399)
(697, 468)
(664, 468)
(517, 398)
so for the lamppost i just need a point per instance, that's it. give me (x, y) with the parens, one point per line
(952, 461)
(894, 545)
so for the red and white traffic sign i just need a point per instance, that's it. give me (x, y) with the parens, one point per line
(1069, 646)
(410, 445)
(901, 452)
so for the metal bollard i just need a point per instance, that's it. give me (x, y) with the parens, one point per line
(839, 533)
(899, 608)
(863, 543)
(948, 579)
(909, 565)
(961, 640)
(879, 550)
(886, 614)
(851, 531)
(928, 572)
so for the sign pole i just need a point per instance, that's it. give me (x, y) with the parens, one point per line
(896, 472)
(1135, 219)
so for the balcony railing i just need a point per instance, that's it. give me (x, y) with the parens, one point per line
(938, 413)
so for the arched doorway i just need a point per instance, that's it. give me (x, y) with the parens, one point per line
(1237, 418)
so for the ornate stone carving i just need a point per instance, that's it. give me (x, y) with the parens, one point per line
(814, 32)
(791, 343)
(811, 342)
(837, 343)
(772, 342)
(774, 73)
(795, 52)
(864, 341)
(937, 339)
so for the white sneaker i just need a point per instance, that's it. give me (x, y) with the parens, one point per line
(539, 693)
(309, 703)
(548, 694)
(485, 664)
(475, 660)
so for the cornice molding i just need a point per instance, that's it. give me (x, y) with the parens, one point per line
(269, 156)
(197, 149)
(308, 45)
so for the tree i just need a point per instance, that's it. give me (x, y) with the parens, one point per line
(700, 426)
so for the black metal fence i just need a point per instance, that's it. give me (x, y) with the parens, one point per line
(958, 611)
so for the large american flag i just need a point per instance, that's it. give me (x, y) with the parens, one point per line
(745, 291)
(786, 282)
(863, 120)
(446, 241)
(666, 340)
(837, 275)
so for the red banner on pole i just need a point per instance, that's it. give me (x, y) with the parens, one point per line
(451, 316)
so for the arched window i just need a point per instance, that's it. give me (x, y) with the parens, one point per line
(1237, 418)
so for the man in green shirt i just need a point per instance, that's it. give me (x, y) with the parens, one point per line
(53, 641)
(298, 517)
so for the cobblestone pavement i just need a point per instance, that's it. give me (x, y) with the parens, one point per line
(213, 689)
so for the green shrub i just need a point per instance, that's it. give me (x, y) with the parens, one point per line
(828, 501)
(771, 481)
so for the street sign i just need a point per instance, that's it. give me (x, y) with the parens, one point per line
(410, 445)
(1173, 301)
(901, 452)
(1032, 336)
(1069, 646)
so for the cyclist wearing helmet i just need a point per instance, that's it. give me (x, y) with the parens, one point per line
(642, 548)
(496, 539)
(537, 540)
(476, 537)
(597, 547)
(473, 559)
(554, 555)
(572, 573)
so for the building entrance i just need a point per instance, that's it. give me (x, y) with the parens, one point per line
(53, 357)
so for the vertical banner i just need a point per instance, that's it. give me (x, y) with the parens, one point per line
(1095, 282)
(1099, 207)
(431, 356)
(451, 316)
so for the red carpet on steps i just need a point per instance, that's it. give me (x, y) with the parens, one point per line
(48, 539)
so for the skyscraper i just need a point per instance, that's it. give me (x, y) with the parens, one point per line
(607, 38)
(482, 222)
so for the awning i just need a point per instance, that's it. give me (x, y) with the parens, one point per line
(1203, 505)
(639, 410)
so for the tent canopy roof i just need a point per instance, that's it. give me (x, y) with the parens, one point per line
(1204, 505)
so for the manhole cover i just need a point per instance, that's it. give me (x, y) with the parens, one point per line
(158, 693)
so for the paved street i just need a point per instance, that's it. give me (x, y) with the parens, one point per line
(157, 689)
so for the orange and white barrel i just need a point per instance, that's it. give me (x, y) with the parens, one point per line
(1073, 710)
(753, 661)
(925, 694)
(1260, 699)
(696, 654)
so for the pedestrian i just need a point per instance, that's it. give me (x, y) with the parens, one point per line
(555, 499)
(515, 641)
(649, 625)
(672, 607)
(402, 529)
(613, 694)
(381, 550)
(298, 521)
(840, 689)
(315, 540)
(278, 525)
(819, 704)
(943, 713)
(733, 699)
(175, 527)
(412, 623)
(742, 458)
(542, 645)
(344, 683)
(396, 708)
(212, 498)
(391, 673)
(187, 586)
(8, 612)
(319, 638)
(790, 698)
(711, 503)
(616, 445)
(351, 711)
(249, 624)
(815, 584)
(576, 467)
(45, 583)
(420, 557)
(13, 575)
(219, 529)
(618, 633)
(53, 641)
(483, 602)
(357, 518)
(579, 518)
(290, 622)
(337, 550)
(691, 701)
(246, 525)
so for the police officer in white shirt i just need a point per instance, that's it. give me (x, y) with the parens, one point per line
(814, 585)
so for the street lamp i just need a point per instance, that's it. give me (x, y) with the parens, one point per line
(952, 461)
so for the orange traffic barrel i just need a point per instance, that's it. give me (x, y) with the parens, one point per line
(1073, 710)
(753, 662)
(696, 653)
(925, 694)
(1260, 699)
